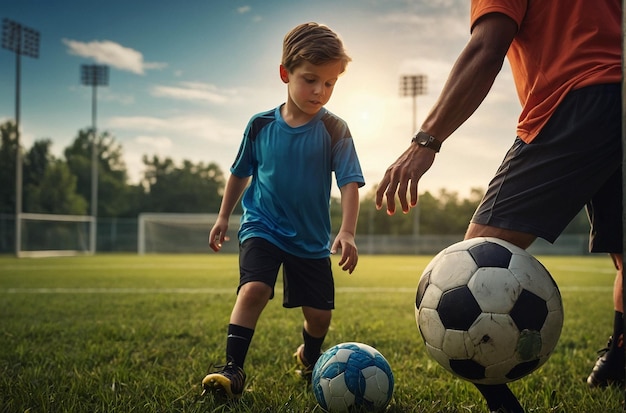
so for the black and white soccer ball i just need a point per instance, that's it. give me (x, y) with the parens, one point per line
(352, 377)
(488, 311)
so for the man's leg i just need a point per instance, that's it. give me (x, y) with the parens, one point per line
(499, 397)
(609, 368)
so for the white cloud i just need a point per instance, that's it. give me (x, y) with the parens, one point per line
(158, 142)
(113, 54)
(176, 127)
(197, 138)
(429, 26)
(243, 9)
(193, 91)
(122, 98)
(145, 123)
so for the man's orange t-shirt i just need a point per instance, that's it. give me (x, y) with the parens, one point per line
(560, 45)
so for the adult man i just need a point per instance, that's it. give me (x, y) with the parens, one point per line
(566, 61)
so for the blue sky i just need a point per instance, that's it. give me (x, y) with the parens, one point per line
(185, 77)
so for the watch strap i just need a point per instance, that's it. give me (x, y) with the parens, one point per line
(427, 141)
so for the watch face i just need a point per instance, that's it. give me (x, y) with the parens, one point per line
(427, 141)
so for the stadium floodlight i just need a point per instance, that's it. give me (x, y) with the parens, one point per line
(94, 76)
(414, 85)
(22, 41)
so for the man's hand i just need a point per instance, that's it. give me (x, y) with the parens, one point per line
(403, 175)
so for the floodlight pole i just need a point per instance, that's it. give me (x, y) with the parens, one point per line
(94, 76)
(414, 85)
(22, 41)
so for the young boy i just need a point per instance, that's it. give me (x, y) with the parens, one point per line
(290, 153)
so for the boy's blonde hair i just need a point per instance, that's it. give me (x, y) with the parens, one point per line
(313, 43)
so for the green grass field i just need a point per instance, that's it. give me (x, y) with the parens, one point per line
(127, 333)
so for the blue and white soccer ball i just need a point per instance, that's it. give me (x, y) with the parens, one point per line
(488, 311)
(352, 376)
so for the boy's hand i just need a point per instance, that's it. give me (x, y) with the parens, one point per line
(349, 253)
(218, 234)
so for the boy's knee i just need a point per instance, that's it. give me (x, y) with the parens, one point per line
(255, 292)
(317, 320)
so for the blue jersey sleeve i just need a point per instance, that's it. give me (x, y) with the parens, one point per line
(346, 163)
(243, 166)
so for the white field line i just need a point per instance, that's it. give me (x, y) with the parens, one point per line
(358, 290)
(207, 266)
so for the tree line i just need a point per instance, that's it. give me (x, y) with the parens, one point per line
(62, 185)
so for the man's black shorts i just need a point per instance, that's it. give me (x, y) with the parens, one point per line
(575, 161)
(306, 282)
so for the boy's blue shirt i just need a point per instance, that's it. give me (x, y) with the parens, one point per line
(288, 199)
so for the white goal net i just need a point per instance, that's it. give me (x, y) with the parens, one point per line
(181, 233)
(50, 235)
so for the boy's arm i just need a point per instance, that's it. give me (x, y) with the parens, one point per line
(345, 237)
(234, 188)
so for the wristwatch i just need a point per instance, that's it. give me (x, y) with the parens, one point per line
(427, 141)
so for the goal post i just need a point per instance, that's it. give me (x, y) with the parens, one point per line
(54, 235)
(166, 233)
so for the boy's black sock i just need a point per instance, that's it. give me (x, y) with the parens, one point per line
(312, 346)
(238, 343)
(500, 398)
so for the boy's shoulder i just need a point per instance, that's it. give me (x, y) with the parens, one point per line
(269, 114)
(259, 121)
(336, 126)
(330, 118)
(266, 113)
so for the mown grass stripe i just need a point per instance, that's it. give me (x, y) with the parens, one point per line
(364, 290)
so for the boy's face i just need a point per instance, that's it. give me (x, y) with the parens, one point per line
(310, 86)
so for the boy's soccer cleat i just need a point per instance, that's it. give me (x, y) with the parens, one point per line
(226, 381)
(609, 368)
(304, 368)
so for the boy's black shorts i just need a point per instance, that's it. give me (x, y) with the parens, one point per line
(306, 282)
(575, 161)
